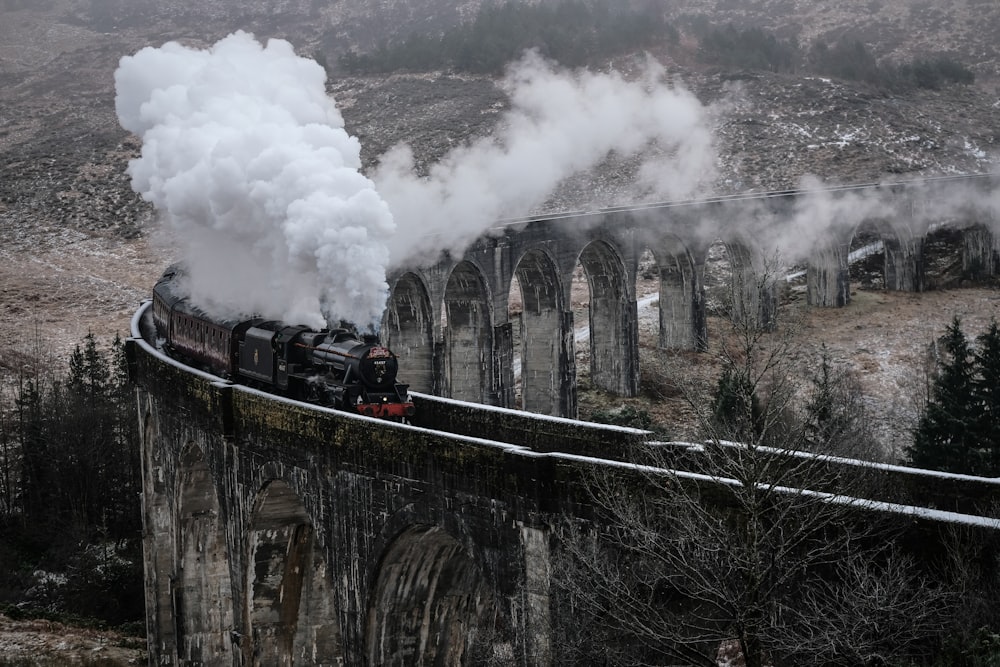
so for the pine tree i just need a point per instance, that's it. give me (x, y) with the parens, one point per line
(89, 371)
(125, 475)
(78, 481)
(80, 463)
(986, 398)
(821, 415)
(8, 456)
(946, 437)
(836, 420)
(736, 411)
(32, 429)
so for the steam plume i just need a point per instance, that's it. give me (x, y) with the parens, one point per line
(247, 161)
(560, 123)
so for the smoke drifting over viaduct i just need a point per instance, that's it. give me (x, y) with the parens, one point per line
(467, 354)
(281, 533)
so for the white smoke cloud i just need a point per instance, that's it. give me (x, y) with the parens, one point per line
(560, 123)
(246, 158)
(824, 217)
(247, 161)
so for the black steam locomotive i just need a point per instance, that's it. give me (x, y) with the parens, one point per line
(330, 367)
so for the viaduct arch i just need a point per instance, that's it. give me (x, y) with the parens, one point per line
(452, 324)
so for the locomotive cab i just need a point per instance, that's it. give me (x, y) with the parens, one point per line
(270, 353)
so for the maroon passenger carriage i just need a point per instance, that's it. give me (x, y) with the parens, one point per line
(332, 367)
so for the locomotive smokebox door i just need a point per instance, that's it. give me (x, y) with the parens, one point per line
(256, 355)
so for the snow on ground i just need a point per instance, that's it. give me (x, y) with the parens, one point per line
(40, 642)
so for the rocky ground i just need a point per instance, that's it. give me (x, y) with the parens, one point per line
(79, 250)
(49, 644)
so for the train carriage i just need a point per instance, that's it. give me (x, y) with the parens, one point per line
(190, 333)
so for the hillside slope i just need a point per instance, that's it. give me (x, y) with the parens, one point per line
(79, 250)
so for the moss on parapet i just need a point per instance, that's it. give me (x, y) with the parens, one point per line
(535, 432)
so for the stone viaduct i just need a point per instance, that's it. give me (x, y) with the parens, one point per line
(282, 533)
(451, 322)
(279, 533)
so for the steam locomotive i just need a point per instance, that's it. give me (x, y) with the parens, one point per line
(332, 367)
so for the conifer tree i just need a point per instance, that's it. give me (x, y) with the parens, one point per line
(946, 437)
(986, 398)
(8, 456)
(88, 369)
(821, 417)
(80, 473)
(32, 430)
(836, 420)
(736, 410)
(126, 475)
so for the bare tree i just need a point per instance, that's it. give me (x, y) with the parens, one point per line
(749, 548)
